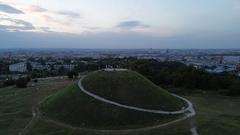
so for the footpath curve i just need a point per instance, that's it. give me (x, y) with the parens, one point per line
(189, 111)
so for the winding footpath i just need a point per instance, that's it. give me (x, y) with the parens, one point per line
(189, 110)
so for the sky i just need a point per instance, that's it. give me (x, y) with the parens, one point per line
(185, 24)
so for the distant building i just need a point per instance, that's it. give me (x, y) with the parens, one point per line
(69, 67)
(18, 67)
(39, 66)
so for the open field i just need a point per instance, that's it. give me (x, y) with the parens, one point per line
(216, 115)
(16, 104)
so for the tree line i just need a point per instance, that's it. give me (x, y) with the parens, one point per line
(172, 74)
(179, 75)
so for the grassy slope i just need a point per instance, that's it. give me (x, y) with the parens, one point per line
(16, 104)
(131, 88)
(74, 107)
(44, 128)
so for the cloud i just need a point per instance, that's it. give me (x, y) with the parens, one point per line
(8, 24)
(45, 29)
(48, 18)
(9, 9)
(69, 14)
(132, 24)
(33, 8)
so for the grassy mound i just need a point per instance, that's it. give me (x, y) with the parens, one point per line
(74, 107)
(131, 88)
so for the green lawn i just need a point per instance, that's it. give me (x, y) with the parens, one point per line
(131, 88)
(217, 115)
(16, 104)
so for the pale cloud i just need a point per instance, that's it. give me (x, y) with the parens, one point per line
(9, 9)
(38, 9)
(68, 14)
(49, 19)
(45, 29)
(33, 8)
(9, 24)
(132, 24)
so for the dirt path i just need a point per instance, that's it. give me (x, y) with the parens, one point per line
(31, 122)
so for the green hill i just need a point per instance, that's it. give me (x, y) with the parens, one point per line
(76, 108)
(131, 88)
(73, 107)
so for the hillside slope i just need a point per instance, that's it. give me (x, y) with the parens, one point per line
(72, 106)
(131, 88)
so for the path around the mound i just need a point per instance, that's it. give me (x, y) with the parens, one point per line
(189, 110)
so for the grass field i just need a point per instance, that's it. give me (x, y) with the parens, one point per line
(216, 115)
(16, 104)
(131, 88)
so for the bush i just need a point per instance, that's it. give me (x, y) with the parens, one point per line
(72, 75)
(21, 83)
(234, 89)
(8, 82)
(28, 78)
(36, 80)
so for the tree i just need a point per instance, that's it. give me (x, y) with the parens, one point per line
(234, 89)
(75, 74)
(72, 74)
(21, 83)
(8, 82)
(36, 80)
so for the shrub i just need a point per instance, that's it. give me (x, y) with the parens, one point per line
(28, 78)
(36, 80)
(8, 82)
(21, 83)
(72, 75)
(234, 89)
